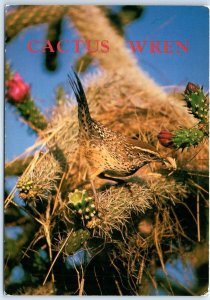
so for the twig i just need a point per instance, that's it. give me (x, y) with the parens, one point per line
(57, 256)
(57, 195)
(118, 287)
(198, 186)
(82, 283)
(141, 268)
(198, 217)
(188, 161)
(159, 251)
(154, 283)
(47, 235)
(97, 280)
(160, 254)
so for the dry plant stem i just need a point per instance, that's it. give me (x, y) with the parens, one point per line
(160, 253)
(60, 250)
(151, 273)
(97, 281)
(118, 287)
(198, 186)
(198, 217)
(154, 283)
(58, 193)
(81, 282)
(37, 237)
(27, 212)
(47, 232)
(191, 158)
(140, 273)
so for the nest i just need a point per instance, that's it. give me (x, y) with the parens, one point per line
(115, 102)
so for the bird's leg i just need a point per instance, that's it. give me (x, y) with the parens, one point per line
(94, 192)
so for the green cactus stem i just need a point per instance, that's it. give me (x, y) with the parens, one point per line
(24, 103)
(183, 138)
(76, 241)
(53, 35)
(83, 206)
(29, 111)
(197, 102)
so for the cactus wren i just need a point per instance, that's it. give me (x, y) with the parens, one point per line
(108, 152)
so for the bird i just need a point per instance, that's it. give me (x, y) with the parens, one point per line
(109, 154)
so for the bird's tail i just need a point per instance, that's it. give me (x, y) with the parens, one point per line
(83, 109)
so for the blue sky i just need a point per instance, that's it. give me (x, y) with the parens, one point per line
(175, 23)
(157, 23)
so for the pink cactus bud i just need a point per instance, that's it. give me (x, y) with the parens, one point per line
(17, 89)
(191, 87)
(165, 138)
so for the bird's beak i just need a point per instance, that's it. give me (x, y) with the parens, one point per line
(170, 163)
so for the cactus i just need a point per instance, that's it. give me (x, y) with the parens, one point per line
(197, 102)
(38, 183)
(183, 138)
(76, 241)
(53, 35)
(29, 15)
(18, 95)
(31, 114)
(84, 207)
(27, 189)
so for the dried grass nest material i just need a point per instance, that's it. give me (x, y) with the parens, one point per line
(115, 101)
(117, 204)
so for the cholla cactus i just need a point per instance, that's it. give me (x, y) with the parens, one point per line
(84, 207)
(75, 241)
(27, 189)
(39, 181)
(18, 95)
(183, 138)
(197, 102)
